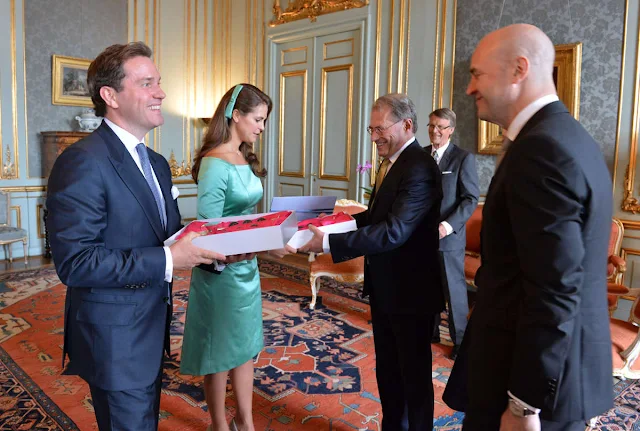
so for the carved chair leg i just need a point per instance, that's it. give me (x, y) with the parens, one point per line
(314, 291)
(10, 256)
(26, 252)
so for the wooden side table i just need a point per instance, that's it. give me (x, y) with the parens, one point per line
(53, 144)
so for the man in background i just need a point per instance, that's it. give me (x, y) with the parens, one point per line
(459, 199)
(536, 354)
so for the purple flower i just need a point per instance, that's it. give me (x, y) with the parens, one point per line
(364, 168)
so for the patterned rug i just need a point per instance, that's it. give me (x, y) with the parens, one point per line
(316, 371)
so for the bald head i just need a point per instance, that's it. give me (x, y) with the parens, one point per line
(510, 68)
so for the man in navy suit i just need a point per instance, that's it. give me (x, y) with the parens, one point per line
(459, 199)
(398, 235)
(537, 353)
(111, 206)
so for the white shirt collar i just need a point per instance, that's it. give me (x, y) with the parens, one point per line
(395, 156)
(127, 138)
(525, 115)
(441, 150)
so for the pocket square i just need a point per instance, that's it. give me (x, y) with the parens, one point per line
(175, 192)
(446, 172)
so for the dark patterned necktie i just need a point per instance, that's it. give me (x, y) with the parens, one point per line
(148, 175)
(434, 154)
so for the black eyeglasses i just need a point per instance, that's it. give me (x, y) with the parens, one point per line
(439, 128)
(379, 129)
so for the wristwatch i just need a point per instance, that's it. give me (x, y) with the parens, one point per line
(519, 410)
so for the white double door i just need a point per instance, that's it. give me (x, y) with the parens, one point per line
(316, 114)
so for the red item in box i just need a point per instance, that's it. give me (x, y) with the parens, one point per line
(201, 227)
(324, 220)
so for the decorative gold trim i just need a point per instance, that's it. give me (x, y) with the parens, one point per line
(489, 138)
(630, 203)
(435, 58)
(443, 54)
(623, 254)
(9, 167)
(254, 54)
(300, 9)
(178, 170)
(567, 70)
(324, 49)
(146, 22)
(406, 70)
(290, 184)
(631, 224)
(321, 188)
(185, 181)
(14, 92)
(283, 77)
(453, 50)
(190, 195)
(619, 122)
(16, 189)
(298, 48)
(135, 19)
(323, 109)
(390, 61)
(376, 67)
(18, 211)
(401, 46)
(24, 90)
(39, 220)
(247, 41)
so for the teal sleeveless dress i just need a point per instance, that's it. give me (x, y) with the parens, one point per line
(223, 328)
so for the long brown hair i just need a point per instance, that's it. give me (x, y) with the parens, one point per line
(219, 131)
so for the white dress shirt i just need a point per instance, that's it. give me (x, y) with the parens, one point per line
(130, 142)
(392, 160)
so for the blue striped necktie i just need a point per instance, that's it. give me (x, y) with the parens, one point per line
(148, 175)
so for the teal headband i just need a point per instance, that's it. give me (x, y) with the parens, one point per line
(228, 112)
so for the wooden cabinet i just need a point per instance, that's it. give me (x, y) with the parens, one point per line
(54, 143)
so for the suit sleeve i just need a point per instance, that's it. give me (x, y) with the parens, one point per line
(468, 193)
(545, 194)
(419, 191)
(78, 208)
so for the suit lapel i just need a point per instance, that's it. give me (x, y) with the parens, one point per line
(165, 186)
(396, 169)
(132, 178)
(446, 158)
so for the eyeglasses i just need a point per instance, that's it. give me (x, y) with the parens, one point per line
(379, 129)
(439, 128)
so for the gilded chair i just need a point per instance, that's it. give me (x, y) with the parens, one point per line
(616, 265)
(10, 234)
(625, 337)
(321, 265)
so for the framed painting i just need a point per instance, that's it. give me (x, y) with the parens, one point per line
(566, 75)
(69, 81)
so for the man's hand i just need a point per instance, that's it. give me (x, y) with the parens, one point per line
(239, 257)
(442, 230)
(186, 255)
(511, 422)
(282, 252)
(315, 243)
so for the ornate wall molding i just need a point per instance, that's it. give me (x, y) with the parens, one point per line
(178, 170)
(300, 9)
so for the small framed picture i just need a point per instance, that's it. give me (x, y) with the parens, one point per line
(69, 81)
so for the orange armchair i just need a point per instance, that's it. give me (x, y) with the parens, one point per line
(625, 338)
(616, 265)
(321, 265)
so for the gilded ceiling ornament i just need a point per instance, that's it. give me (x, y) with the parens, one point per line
(299, 9)
(178, 170)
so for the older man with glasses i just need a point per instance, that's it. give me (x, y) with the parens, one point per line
(398, 235)
(459, 198)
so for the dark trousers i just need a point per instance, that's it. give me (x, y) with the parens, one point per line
(403, 369)
(130, 410)
(455, 293)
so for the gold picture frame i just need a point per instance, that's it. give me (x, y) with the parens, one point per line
(566, 74)
(69, 81)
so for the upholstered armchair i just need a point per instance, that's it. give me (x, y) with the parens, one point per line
(321, 265)
(616, 265)
(10, 234)
(625, 338)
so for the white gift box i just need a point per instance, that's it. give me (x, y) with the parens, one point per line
(302, 237)
(244, 241)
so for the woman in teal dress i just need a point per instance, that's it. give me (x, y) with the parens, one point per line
(223, 329)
